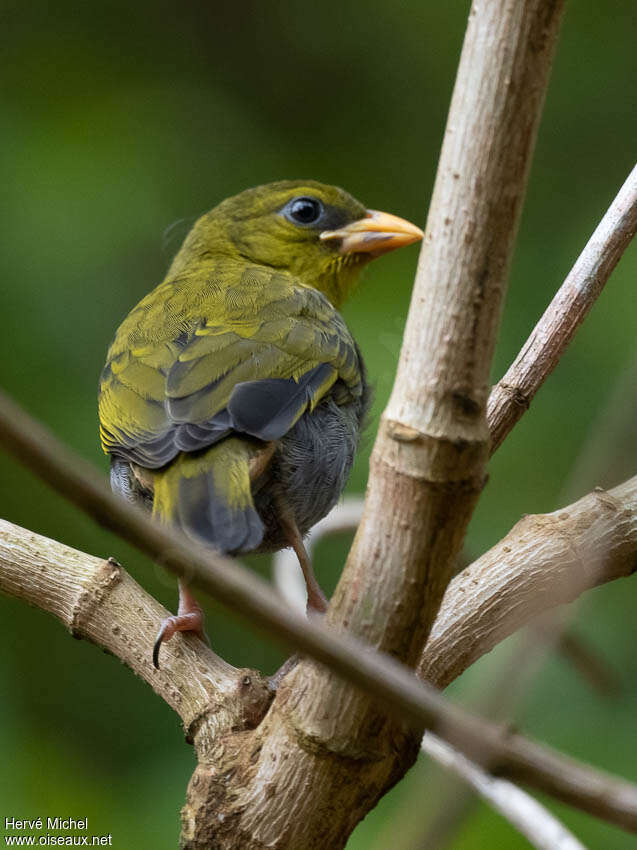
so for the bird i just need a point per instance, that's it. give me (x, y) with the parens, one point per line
(234, 395)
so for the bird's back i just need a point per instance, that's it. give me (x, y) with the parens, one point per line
(227, 390)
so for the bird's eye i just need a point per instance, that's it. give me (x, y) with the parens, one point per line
(304, 210)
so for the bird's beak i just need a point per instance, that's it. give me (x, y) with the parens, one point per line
(375, 234)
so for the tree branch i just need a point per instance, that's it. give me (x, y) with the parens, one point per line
(541, 353)
(543, 830)
(524, 813)
(224, 578)
(99, 583)
(322, 741)
(544, 561)
(431, 451)
(98, 600)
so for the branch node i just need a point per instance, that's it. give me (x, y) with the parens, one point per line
(93, 595)
(607, 500)
(516, 396)
(403, 433)
(254, 698)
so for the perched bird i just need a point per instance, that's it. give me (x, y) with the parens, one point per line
(233, 394)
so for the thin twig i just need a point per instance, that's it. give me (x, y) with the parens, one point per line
(534, 821)
(503, 691)
(512, 395)
(378, 675)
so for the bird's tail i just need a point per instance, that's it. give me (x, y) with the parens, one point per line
(208, 496)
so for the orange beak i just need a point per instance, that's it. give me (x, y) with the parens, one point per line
(375, 234)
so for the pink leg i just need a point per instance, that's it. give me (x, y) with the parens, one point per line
(190, 618)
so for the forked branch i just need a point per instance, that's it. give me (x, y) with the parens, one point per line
(97, 600)
(324, 753)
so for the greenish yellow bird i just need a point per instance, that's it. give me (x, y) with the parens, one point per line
(233, 394)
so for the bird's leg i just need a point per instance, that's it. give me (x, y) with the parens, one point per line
(316, 599)
(190, 618)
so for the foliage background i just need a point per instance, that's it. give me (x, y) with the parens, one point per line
(121, 123)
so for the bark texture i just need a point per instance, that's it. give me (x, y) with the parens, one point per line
(300, 770)
(590, 542)
(99, 601)
(219, 710)
(325, 753)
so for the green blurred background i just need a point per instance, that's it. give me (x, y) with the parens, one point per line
(123, 122)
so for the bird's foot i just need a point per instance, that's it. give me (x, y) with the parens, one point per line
(190, 618)
(192, 622)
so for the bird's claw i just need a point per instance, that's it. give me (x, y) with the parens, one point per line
(191, 622)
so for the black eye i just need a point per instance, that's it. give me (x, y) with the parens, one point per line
(304, 210)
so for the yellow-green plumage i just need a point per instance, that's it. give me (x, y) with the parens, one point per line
(225, 356)
(219, 476)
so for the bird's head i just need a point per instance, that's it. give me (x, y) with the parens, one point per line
(318, 233)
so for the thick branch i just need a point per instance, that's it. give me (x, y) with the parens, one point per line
(224, 578)
(324, 754)
(511, 396)
(545, 560)
(378, 675)
(616, 563)
(98, 600)
(430, 455)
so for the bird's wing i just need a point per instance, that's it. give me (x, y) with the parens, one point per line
(258, 355)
